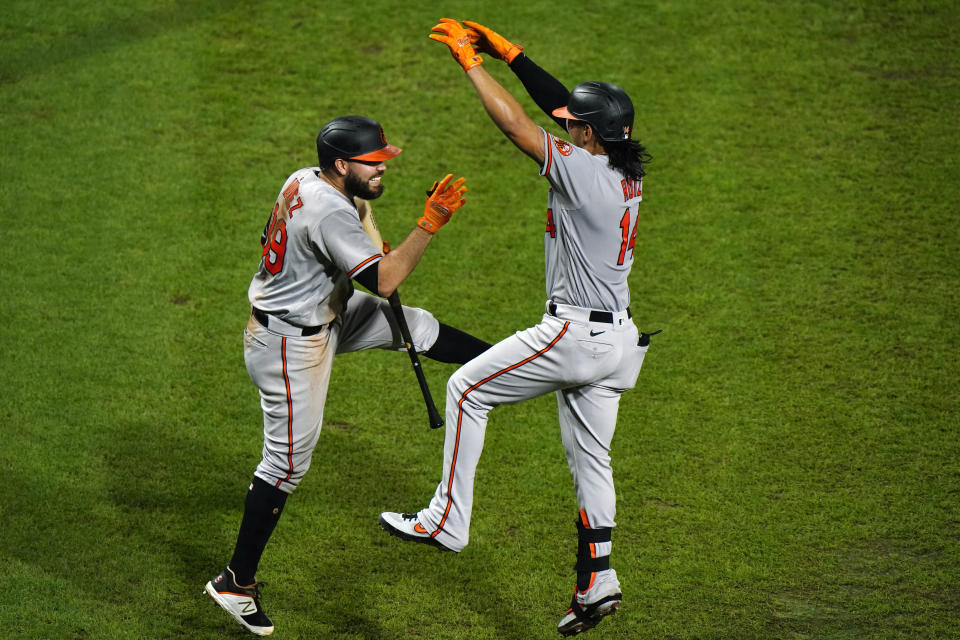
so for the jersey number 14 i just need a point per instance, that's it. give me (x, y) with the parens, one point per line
(629, 237)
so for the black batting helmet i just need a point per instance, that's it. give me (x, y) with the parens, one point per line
(354, 138)
(604, 106)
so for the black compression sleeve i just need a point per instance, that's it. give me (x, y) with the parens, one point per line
(370, 278)
(548, 92)
(262, 509)
(453, 345)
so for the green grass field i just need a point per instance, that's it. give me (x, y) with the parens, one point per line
(788, 466)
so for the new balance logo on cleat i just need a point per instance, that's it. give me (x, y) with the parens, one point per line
(241, 602)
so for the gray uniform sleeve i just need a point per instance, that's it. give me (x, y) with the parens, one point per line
(342, 239)
(564, 166)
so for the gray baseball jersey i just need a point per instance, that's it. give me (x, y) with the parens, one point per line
(592, 214)
(314, 244)
(585, 349)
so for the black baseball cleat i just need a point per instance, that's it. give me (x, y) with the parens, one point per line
(243, 603)
(589, 607)
(406, 527)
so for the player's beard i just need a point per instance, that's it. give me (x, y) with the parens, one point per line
(360, 188)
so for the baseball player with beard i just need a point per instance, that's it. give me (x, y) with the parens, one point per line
(304, 309)
(586, 349)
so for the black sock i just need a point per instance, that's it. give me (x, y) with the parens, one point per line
(262, 509)
(453, 345)
(583, 581)
(583, 557)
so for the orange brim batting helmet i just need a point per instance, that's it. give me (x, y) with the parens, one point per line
(604, 106)
(353, 138)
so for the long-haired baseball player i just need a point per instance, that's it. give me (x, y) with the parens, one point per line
(304, 309)
(586, 349)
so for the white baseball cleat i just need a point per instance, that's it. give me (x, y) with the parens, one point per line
(243, 603)
(589, 607)
(406, 527)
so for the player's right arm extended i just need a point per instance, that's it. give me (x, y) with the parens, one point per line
(507, 114)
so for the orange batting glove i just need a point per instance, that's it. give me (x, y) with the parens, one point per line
(443, 199)
(450, 33)
(489, 41)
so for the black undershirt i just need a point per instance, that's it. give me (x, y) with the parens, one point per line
(548, 92)
(370, 278)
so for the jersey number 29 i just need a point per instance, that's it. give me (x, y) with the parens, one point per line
(274, 236)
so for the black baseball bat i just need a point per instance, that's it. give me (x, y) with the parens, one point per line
(436, 420)
(371, 229)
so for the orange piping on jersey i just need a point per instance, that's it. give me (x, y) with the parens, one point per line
(456, 445)
(286, 381)
(364, 263)
(549, 154)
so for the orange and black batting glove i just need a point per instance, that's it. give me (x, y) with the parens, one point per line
(490, 42)
(450, 33)
(443, 199)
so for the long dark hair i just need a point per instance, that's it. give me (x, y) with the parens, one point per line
(628, 157)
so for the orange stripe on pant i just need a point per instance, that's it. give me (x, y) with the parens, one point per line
(456, 446)
(286, 381)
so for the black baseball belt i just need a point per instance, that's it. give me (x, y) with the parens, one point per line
(284, 327)
(595, 316)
